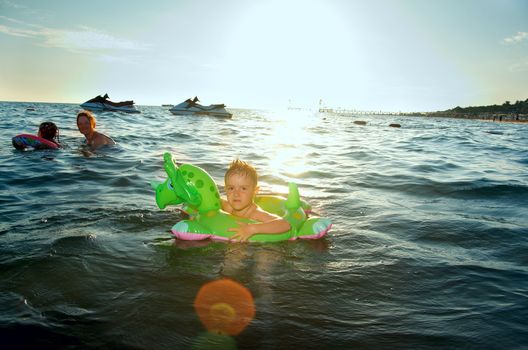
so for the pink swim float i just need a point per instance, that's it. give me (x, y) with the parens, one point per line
(23, 141)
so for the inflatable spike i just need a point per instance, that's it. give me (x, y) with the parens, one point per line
(294, 199)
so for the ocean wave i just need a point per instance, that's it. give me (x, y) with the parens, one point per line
(483, 189)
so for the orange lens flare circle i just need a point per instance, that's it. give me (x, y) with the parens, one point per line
(224, 306)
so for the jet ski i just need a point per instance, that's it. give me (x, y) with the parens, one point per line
(102, 103)
(192, 107)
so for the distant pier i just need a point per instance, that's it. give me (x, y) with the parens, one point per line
(349, 112)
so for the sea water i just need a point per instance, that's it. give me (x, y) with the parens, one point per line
(428, 247)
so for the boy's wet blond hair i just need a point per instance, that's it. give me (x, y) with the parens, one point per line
(240, 167)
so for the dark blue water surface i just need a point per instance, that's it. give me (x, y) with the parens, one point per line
(428, 248)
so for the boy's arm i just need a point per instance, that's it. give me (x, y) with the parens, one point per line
(269, 224)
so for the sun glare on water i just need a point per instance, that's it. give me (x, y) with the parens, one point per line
(288, 142)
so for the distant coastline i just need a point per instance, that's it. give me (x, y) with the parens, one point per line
(488, 117)
(507, 112)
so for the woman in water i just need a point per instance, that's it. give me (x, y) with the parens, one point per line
(86, 124)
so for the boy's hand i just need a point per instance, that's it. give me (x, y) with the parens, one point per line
(242, 233)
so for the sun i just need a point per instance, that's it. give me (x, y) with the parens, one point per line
(281, 50)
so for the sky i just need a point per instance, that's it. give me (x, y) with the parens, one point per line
(376, 55)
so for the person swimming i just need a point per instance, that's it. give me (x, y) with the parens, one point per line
(49, 131)
(47, 138)
(86, 123)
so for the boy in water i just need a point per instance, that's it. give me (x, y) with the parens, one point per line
(241, 187)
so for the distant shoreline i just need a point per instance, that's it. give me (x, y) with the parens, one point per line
(502, 118)
(505, 121)
(498, 118)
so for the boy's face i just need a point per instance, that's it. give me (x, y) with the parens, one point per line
(240, 190)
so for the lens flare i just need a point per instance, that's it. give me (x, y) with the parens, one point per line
(224, 306)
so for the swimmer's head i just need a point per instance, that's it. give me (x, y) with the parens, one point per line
(86, 122)
(239, 167)
(89, 115)
(48, 131)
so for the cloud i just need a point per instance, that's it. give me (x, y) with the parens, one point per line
(87, 39)
(11, 4)
(517, 38)
(17, 32)
(80, 39)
